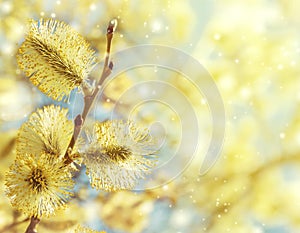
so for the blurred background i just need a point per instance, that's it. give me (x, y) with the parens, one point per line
(251, 49)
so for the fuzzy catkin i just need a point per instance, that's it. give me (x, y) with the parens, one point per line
(55, 58)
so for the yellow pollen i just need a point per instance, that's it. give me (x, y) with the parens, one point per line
(37, 180)
(117, 153)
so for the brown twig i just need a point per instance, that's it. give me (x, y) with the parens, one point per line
(12, 225)
(8, 148)
(32, 225)
(89, 99)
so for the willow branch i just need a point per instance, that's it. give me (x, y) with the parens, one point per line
(8, 148)
(277, 161)
(13, 225)
(32, 225)
(89, 99)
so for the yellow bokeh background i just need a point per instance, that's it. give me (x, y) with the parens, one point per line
(251, 49)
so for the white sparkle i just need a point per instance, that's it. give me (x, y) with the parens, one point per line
(245, 92)
(156, 26)
(6, 48)
(217, 36)
(181, 218)
(280, 67)
(93, 7)
(6, 7)
(165, 187)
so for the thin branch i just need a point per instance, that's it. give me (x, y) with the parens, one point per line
(32, 225)
(275, 162)
(89, 99)
(12, 225)
(7, 149)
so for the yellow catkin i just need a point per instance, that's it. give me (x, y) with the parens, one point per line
(47, 130)
(55, 58)
(38, 185)
(119, 154)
